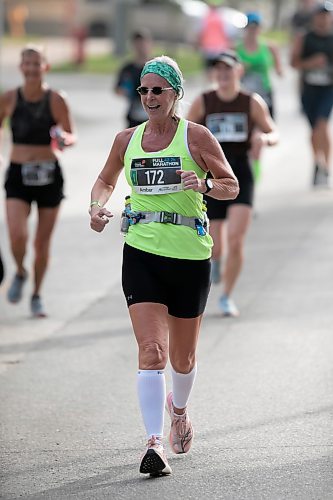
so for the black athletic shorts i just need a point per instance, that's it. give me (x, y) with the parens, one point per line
(317, 103)
(217, 209)
(180, 284)
(42, 184)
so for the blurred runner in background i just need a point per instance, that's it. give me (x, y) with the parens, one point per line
(128, 79)
(301, 19)
(34, 175)
(258, 58)
(242, 125)
(312, 55)
(212, 37)
(300, 23)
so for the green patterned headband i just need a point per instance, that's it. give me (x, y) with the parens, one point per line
(165, 71)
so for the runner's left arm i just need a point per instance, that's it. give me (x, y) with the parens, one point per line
(266, 133)
(277, 59)
(63, 118)
(208, 154)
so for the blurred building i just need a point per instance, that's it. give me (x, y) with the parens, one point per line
(174, 20)
(41, 17)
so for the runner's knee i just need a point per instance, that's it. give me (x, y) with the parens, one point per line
(18, 238)
(41, 247)
(152, 355)
(183, 363)
(235, 243)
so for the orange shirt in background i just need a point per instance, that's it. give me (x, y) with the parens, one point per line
(213, 38)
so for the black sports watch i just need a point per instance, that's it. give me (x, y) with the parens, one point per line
(209, 185)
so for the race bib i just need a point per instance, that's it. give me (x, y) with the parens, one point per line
(320, 77)
(156, 175)
(228, 127)
(38, 173)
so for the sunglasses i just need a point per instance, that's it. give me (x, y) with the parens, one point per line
(155, 90)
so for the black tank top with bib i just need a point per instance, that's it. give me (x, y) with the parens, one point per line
(31, 121)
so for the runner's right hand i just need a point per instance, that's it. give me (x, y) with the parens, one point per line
(99, 218)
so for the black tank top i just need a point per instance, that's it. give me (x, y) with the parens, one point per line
(229, 121)
(315, 44)
(31, 121)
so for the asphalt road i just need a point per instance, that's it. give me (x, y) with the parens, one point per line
(262, 404)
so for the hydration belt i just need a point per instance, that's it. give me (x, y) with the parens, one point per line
(200, 225)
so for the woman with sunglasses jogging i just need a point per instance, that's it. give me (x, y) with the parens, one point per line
(166, 256)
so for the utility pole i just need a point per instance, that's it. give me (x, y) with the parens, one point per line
(277, 5)
(119, 23)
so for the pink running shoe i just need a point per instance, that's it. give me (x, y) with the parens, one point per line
(154, 460)
(181, 432)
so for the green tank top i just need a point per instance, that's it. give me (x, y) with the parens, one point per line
(257, 66)
(156, 188)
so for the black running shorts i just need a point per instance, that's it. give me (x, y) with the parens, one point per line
(46, 196)
(317, 103)
(218, 209)
(180, 284)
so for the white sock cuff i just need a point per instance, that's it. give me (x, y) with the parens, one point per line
(150, 372)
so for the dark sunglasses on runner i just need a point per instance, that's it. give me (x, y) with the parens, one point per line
(155, 90)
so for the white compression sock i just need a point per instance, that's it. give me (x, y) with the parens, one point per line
(151, 392)
(182, 385)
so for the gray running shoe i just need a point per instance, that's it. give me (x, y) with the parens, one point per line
(320, 176)
(14, 293)
(37, 309)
